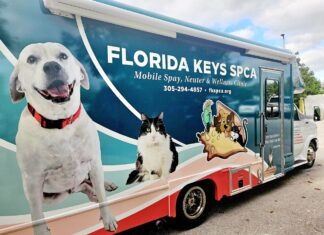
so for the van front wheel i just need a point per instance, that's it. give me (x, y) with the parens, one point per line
(311, 155)
(192, 206)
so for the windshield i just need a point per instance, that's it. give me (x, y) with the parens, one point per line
(299, 85)
(297, 114)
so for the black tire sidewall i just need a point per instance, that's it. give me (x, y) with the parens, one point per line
(310, 164)
(181, 220)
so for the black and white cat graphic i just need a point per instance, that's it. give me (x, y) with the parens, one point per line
(157, 155)
(236, 135)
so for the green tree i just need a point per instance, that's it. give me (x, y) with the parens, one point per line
(312, 84)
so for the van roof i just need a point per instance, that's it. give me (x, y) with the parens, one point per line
(183, 23)
(119, 13)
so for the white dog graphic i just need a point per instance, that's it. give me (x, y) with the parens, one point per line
(58, 148)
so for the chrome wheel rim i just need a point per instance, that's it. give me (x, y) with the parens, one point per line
(311, 155)
(194, 202)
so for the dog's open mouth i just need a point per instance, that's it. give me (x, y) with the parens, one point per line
(58, 91)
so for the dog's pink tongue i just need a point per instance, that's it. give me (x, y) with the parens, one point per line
(59, 91)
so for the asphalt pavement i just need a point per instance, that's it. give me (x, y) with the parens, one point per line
(293, 204)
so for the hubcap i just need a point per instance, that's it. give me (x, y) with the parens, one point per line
(310, 154)
(194, 202)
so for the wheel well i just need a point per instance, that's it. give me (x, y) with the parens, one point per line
(315, 142)
(180, 218)
(210, 185)
(207, 184)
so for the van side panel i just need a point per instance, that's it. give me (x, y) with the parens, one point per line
(209, 93)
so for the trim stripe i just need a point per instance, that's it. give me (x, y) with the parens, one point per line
(100, 69)
(90, 230)
(7, 53)
(118, 167)
(53, 215)
(141, 207)
(104, 75)
(116, 135)
(132, 165)
(8, 145)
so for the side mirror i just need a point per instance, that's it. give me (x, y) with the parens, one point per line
(317, 114)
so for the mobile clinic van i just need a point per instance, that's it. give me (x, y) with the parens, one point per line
(113, 112)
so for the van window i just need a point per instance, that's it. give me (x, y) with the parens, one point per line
(298, 116)
(272, 98)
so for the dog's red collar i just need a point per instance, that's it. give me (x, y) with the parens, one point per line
(53, 124)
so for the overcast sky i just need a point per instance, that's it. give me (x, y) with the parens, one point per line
(302, 22)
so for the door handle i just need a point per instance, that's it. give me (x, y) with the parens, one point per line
(264, 129)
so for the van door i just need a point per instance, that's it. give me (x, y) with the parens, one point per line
(272, 117)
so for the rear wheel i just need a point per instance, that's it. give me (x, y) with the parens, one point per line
(193, 205)
(311, 156)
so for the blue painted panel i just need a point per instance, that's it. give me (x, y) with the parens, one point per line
(25, 22)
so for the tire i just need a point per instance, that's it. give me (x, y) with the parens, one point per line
(311, 156)
(193, 205)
